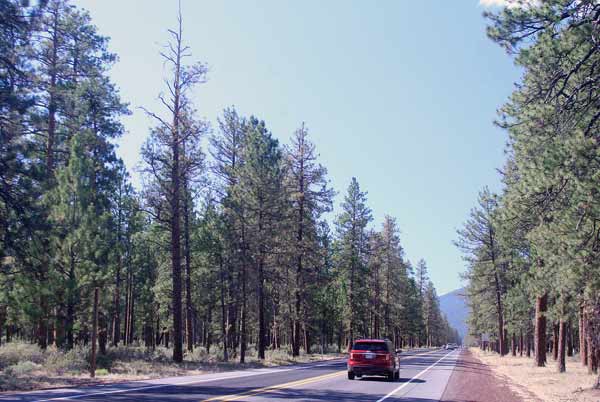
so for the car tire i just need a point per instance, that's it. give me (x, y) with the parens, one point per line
(391, 376)
(350, 375)
(397, 374)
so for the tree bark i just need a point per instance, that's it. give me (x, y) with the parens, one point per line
(569, 339)
(541, 305)
(555, 340)
(94, 334)
(513, 344)
(562, 337)
(224, 335)
(583, 352)
(521, 343)
(592, 357)
(244, 312)
(188, 272)
(116, 327)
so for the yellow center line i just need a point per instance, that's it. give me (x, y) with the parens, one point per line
(272, 388)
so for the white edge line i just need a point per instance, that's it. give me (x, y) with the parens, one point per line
(175, 384)
(230, 376)
(117, 391)
(414, 378)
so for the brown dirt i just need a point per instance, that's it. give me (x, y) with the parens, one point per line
(474, 381)
(545, 382)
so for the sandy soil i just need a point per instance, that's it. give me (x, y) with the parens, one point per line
(543, 382)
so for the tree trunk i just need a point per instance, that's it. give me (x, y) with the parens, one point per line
(513, 344)
(209, 329)
(94, 334)
(261, 284)
(223, 310)
(592, 356)
(569, 339)
(562, 337)
(261, 310)
(188, 273)
(583, 352)
(521, 343)
(555, 341)
(540, 330)
(102, 333)
(128, 303)
(116, 327)
(243, 317)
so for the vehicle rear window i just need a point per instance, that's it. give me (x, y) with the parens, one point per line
(371, 346)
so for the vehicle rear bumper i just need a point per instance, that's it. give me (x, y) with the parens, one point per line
(370, 370)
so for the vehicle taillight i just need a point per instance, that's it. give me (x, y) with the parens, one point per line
(387, 357)
(353, 356)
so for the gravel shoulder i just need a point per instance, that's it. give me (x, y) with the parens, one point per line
(474, 381)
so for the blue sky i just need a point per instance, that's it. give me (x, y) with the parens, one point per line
(400, 94)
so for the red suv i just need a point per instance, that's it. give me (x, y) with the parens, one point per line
(373, 357)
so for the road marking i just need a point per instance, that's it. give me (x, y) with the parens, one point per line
(198, 381)
(272, 388)
(414, 378)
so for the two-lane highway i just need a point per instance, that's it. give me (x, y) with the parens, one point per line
(424, 376)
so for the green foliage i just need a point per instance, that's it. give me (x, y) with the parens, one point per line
(235, 253)
(545, 219)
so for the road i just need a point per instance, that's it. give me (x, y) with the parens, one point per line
(424, 375)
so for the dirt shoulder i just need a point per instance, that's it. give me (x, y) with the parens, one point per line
(474, 381)
(542, 383)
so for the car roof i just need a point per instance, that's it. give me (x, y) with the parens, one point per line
(370, 340)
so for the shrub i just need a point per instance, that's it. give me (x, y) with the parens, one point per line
(74, 360)
(14, 352)
(18, 376)
(21, 369)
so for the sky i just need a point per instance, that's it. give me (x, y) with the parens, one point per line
(400, 94)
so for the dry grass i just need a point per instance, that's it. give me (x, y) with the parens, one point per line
(24, 366)
(544, 382)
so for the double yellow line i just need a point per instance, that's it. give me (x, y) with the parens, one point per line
(272, 388)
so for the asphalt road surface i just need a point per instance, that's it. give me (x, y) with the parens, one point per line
(423, 378)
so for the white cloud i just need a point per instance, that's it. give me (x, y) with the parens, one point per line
(509, 3)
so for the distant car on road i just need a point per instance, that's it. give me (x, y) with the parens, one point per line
(451, 346)
(373, 357)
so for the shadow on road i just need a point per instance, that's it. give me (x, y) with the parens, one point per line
(187, 393)
(400, 381)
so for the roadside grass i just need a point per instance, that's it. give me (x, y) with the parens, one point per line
(24, 366)
(545, 382)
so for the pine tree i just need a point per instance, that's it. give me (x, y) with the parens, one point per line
(169, 164)
(478, 241)
(351, 256)
(261, 191)
(310, 198)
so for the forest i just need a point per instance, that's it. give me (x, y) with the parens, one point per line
(231, 242)
(533, 248)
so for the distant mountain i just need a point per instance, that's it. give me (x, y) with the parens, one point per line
(454, 305)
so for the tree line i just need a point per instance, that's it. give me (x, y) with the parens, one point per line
(532, 250)
(224, 246)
